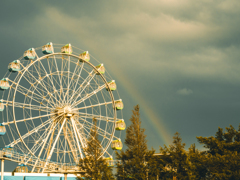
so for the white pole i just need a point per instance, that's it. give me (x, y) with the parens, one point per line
(2, 168)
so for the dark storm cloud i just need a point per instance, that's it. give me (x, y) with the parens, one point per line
(158, 47)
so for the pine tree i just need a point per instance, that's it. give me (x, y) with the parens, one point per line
(237, 137)
(229, 140)
(133, 162)
(219, 134)
(155, 166)
(222, 154)
(95, 168)
(199, 163)
(176, 158)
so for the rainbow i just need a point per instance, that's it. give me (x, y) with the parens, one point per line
(156, 121)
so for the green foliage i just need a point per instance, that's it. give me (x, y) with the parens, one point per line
(221, 160)
(229, 140)
(199, 163)
(135, 137)
(134, 161)
(155, 165)
(237, 136)
(225, 166)
(95, 168)
(176, 159)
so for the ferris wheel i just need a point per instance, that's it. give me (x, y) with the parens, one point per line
(50, 104)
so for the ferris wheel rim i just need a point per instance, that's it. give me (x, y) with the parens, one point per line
(69, 55)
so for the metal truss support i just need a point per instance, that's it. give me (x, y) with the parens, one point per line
(2, 168)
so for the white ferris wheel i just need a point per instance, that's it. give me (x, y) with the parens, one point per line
(48, 105)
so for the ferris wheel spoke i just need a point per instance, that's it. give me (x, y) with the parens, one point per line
(27, 106)
(104, 150)
(26, 92)
(50, 68)
(84, 84)
(95, 105)
(70, 139)
(79, 75)
(45, 141)
(89, 125)
(98, 117)
(56, 139)
(80, 93)
(54, 88)
(67, 93)
(40, 139)
(53, 92)
(27, 119)
(55, 124)
(77, 137)
(37, 82)
(89, 95)
(30, 132)
(77, 72)
(61, 82)
(80, 133)
(34, 151)
(57, 99)
(58, 75)
(71, 83)
(54, 144)
(100, 132)
(43, 94)
(64, 68)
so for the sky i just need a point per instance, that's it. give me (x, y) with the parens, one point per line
(179, 60)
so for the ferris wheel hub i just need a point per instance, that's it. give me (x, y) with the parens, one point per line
(65, 111)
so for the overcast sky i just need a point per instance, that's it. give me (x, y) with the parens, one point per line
(178, 59)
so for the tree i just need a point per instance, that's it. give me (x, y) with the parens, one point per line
(95, 168)
(155, 166)
(222, 154)
(176, 159)
(222, 142)
(133, 162)
(199, 163)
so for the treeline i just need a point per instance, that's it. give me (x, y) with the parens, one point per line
(219, 161)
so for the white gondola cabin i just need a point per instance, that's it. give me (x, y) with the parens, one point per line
(109, 161)
(112, 86)
(116, 145)
(48, 48)
(29, 54)
(14, 66)
(101, 69)
(4, 84)
(119, 104)
(120, 125)
(21, 168)
(1, 105)
(85, 56)
(2, 129)
(8, 150)
(67, 49)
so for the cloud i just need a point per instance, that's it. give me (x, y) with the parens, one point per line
(184, 91)
(155, 46)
